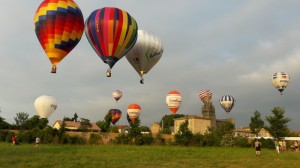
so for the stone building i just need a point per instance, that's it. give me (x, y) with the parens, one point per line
(201, 124)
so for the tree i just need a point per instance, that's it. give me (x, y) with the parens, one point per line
(85, 124)
(168, 121)
(184, 135)
(256, 123)
(21, 120)
(105, 124)
(36, 122)
(75, 117)
(278, 123)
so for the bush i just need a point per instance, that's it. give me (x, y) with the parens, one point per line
(3, 135)
(242, 142)
(123, 139)
(95, 139)
(143, 140)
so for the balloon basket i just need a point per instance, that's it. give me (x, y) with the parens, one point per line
(142, 81)
(108, 73)
(53, 70)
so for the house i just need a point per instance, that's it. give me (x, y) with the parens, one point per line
(245, 132)
(74, 125)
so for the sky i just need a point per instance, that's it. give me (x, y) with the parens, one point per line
(229, 47)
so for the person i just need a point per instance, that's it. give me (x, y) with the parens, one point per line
(296, 146)
(284, 145)
(257, 148)
(277, 146)
(37, 141)
(14, 140)
(280, 145)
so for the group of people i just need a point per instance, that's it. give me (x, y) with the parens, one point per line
(14, 140)
(280, 146)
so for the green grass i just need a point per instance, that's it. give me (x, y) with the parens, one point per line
(101, 156)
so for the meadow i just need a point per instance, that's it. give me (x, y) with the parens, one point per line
(101, 156)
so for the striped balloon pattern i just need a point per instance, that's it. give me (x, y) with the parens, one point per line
(205, 96)
(227, 102)
(59, 26)
(173, 100)
(112, 32)
(115, 115)
(280, 81)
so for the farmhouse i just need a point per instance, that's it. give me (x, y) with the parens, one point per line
(74, 125)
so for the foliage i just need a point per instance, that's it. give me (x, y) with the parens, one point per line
(256, 123)
(75, 117)
(143, 140)
(215, 135)
(278, 123)
(105, 124)
(114, 129)
(36, 122)
(21, 120)
(184, 135)
(95, 139)
(168, 121)
(4, 124)
(144, 129)
(122, 139)
(85, 124)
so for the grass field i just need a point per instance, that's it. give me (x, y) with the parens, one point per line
(101, 156)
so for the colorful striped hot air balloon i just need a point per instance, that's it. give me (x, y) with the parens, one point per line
(112, 32)
(59, 26)
(133, 111)
(173, 100)
(227, 102)
(205, 96)
(115, 115)
(280, 81)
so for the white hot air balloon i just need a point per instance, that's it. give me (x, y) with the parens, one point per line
(280, 81)
(146, 52)
(45, 105)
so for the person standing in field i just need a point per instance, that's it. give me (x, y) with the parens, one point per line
(277, 146)
(14, 140)
(296, 146)
(284, 145)
(280, 145)
(37, 141)
(257, 148)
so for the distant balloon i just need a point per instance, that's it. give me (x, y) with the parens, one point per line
(45, 106)
(133, 111)
(117, 94)
(227, 102)
(173, 100)
(205, 96)
(146, 52)
(112, 32)
(280, 81)
(115, 115)
(59, 26)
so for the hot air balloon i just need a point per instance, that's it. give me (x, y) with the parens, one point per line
(205, 96)
(115, 115)
(173, 101)
(45, 106)
(112, 32)
(280, 81)
(146, 52)
(117, 94)
(59, 26)
(133, 111)
(227, 102)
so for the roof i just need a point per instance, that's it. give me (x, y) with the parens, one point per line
(76, 125)
(191, 117)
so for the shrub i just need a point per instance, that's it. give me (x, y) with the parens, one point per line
(123, 139)
(95, 139)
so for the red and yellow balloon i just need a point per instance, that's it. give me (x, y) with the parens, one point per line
(59, 26)
(112, 32)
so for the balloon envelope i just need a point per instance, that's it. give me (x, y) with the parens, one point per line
(173, 100)
(117, 94)
(133, 111)
(112, 32)
(59, 26)
(45, 106)
(227, 102)
(146, 52)
(280, 80)
(115, 115)
(205, 96)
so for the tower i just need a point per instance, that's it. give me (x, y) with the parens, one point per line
(208, 111)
